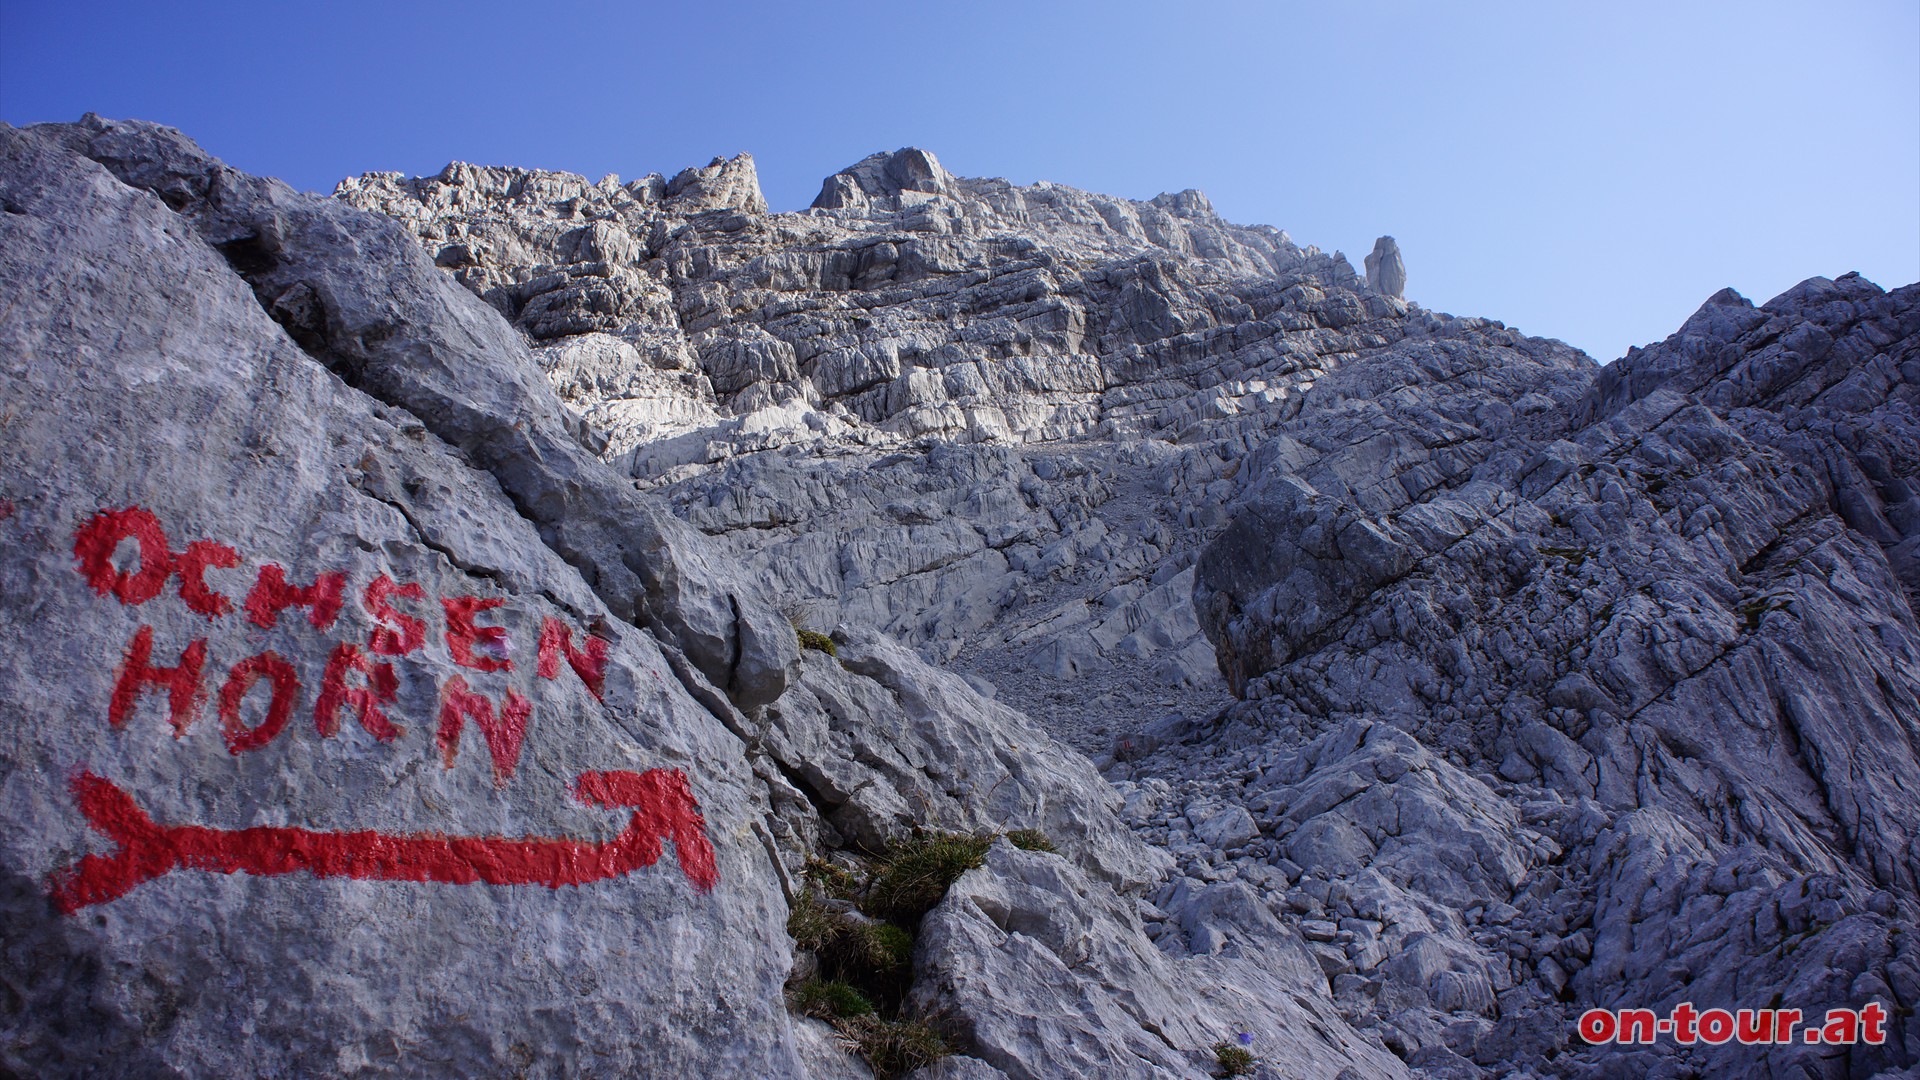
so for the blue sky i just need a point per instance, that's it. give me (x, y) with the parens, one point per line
(1588, 172)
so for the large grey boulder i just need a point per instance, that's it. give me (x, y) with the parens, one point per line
(209, 871)
(1025, 950)
(882, 742)
(885, 178)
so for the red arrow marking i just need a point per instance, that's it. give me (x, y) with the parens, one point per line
(662, 802)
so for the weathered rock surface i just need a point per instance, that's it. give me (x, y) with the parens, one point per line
(880, 741)
(304, 261)
(1047, 976)
(143, 372)
(1671, 629)
(1386, 271)
(1448, 683)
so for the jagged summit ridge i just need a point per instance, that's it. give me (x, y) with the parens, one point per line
(840, 324)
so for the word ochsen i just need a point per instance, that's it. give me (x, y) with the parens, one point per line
(1749, 1027)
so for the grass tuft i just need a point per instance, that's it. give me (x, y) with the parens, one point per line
(1574, 556)
(913, 876)
(1235, 1060)
(1030, 840)
(809, 923)
(883, 947)
(1756, 610)
(814, 639)
(894, 1048)
(837, 881)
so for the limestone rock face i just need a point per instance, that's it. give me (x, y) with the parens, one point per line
(1675, 628)
(184, 468)
(1551, 685)
(1023, 953)
(1445, 683)
(883, 741)
(1386, 272)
